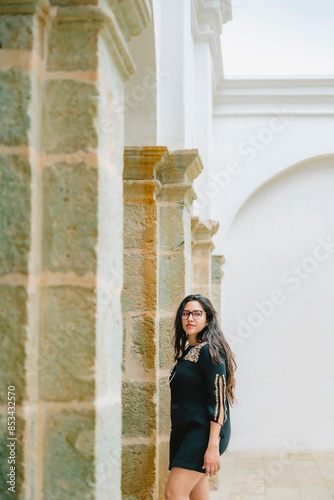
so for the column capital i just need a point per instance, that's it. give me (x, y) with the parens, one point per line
(118, 22)
(176, 172)
(202, 232)
(207, 19)
(138, 172)
(140, 161)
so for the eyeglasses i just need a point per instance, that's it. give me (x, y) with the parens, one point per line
(196, 314)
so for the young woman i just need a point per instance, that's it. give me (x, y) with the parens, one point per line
(202, 389)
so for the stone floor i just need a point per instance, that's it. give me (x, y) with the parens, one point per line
(275, 476)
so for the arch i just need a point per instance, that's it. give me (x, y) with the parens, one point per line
(320, 160)
(277, 309)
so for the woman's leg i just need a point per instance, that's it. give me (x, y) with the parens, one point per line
(181, 482)
(201, 489)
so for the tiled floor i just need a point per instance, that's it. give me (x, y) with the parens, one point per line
(275, 476)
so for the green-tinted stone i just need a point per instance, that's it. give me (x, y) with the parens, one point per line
(69, 114)
(123, 365)
(13, 319)
(143, 346)
(171, 281)
(16, 32)
(68, 3)
(14, 102)
(67, 343)
(166, 349)
(138, 407)
(68, 469)
(164, 407)
(138, 472)
(140, 226)
(5, 456)
(172, 219)
(15, 213)
(72, 49)
(70, 218)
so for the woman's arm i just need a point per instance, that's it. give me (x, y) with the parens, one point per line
(212, 457)
(215, 376)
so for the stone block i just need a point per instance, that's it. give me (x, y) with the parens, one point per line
(69, 469)
(67, 343)
(69, 114)
(164, 407)
(163, 467)
(202, 274)
(6, 453)
(13, 323)
(143, 346)
(123, 364)
(139, 414)
(140, 282)
(70, 218)
(216, 268)
(14, 101)
(138, 472)
(172, 221)
(166, 349)
(72, 49)
(15, 213)
(16, 32)
(69, 3)
(140, 226)
(172, 281)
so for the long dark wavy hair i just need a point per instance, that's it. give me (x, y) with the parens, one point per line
(211, 333)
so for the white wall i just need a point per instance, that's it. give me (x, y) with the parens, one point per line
(276, 214)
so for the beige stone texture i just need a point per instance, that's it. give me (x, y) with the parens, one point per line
(62, 71)
(202, 247)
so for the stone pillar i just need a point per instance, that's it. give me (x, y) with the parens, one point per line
(202, 247)
(140, 316)
(20, 242)
(158, 195)
(217, 262)
(176, 173)
(61, 208)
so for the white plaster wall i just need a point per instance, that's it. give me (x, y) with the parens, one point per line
(277, 254)
(203, 117)
(238, 167)
(140, 92)
(174, 55)
(275, 206)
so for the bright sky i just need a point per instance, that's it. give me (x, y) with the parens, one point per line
(279, 37)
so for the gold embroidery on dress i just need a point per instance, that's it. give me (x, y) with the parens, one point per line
(225, 405)
(217, 400)
(193, 354)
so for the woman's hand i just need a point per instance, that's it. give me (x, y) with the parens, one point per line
(211, 460)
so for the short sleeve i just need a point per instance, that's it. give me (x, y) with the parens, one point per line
(215, 381)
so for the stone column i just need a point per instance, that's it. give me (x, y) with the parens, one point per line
(176, 173)
(61, 207)
(140, 316)
(217, 262)
(202, 247)
(20, 237)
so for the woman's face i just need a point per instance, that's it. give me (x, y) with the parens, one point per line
(193, 325)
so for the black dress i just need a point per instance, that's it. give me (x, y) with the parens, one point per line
(198, 395)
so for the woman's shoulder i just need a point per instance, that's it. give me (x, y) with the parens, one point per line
(206, 354)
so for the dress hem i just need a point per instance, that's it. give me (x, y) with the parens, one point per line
(185, 465)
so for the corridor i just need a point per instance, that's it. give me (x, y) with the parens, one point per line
(275, 476)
